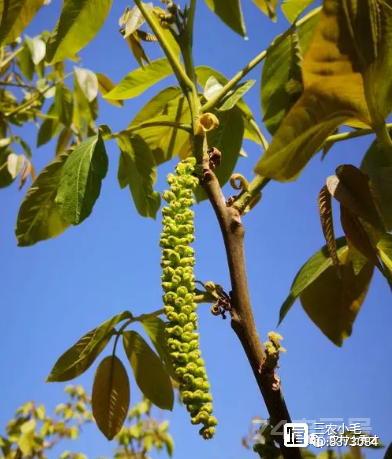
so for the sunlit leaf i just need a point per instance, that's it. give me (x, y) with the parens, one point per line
(88, 82)
(6, 177)
(149, 372)
(138, 167)
(137, 81)
(134, 19)
(15, 16)
(268, 7)
(39, 216)
(230, 13)
(235, 95)
(72, 364)
(293, 8)
(81, 179)
(79, 23)
(105, 85)
(37, 49)
(15, 164)
(169, 105)
(110, 396)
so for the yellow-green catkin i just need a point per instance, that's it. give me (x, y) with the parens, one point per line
(178, 283)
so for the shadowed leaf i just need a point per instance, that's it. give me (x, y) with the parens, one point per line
(325, 209)
(63, 102)
(72, 364)
(332, 302)
(39, 216)
(150, 374)
(137, 169)
(309, 272)
(105, 329)
(110, 396)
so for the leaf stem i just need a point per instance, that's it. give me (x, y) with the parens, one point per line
(351, 134)
(148, 124)
(385, 139)
(212, 103)
(31, 101)
(242, 319)
(120, 332)
(179, 71)
(255, 186)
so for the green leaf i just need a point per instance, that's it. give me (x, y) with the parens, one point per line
(39, 216)
(293, 8)
(137, 81)
(105, 85)
(79, 23)
(6, 177)
(25, 62)
(105, 329)
(88, 82)
(15, 164)
(150, 374)
(63, 139)
(110, 396)
(230, 13)
(72, 364)
(137, 166)
(49, 128)
(15, 16)
(268, 7)
(37, 49)
(233, 96)
(309, 272)
(384, 247)
(164, 141)
(155, 329)
(227, 138)
(203, 73)
(377, 166)
(333, 300)
(63, 102)
(133, 19)
(26, 442)
(388, 452)
(282, 65)
(81, 179)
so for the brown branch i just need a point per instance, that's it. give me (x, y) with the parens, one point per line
(242, 320)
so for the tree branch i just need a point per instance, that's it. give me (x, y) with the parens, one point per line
(242, 320)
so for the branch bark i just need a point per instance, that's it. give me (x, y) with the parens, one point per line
(242, 320)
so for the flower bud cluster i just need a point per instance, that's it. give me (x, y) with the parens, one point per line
(178, 283)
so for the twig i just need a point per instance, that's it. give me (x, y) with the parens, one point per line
(255, 186)
(242, 320)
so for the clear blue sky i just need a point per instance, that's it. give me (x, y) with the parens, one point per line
(54, 292)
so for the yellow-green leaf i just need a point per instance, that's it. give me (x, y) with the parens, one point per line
(105, 85)
(49, 128)
(268, 7)
(138, 170)
(39, 217)
(333, 300)
(169, 105)
(72, 363)
(150, 374)
(137, 81)
(15, 16)
(63, 102)
(110, 396)
(81, 180)
(79, 23)
(230, 13)
(293, 8)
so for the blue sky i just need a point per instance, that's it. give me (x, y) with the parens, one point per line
(56, 291)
